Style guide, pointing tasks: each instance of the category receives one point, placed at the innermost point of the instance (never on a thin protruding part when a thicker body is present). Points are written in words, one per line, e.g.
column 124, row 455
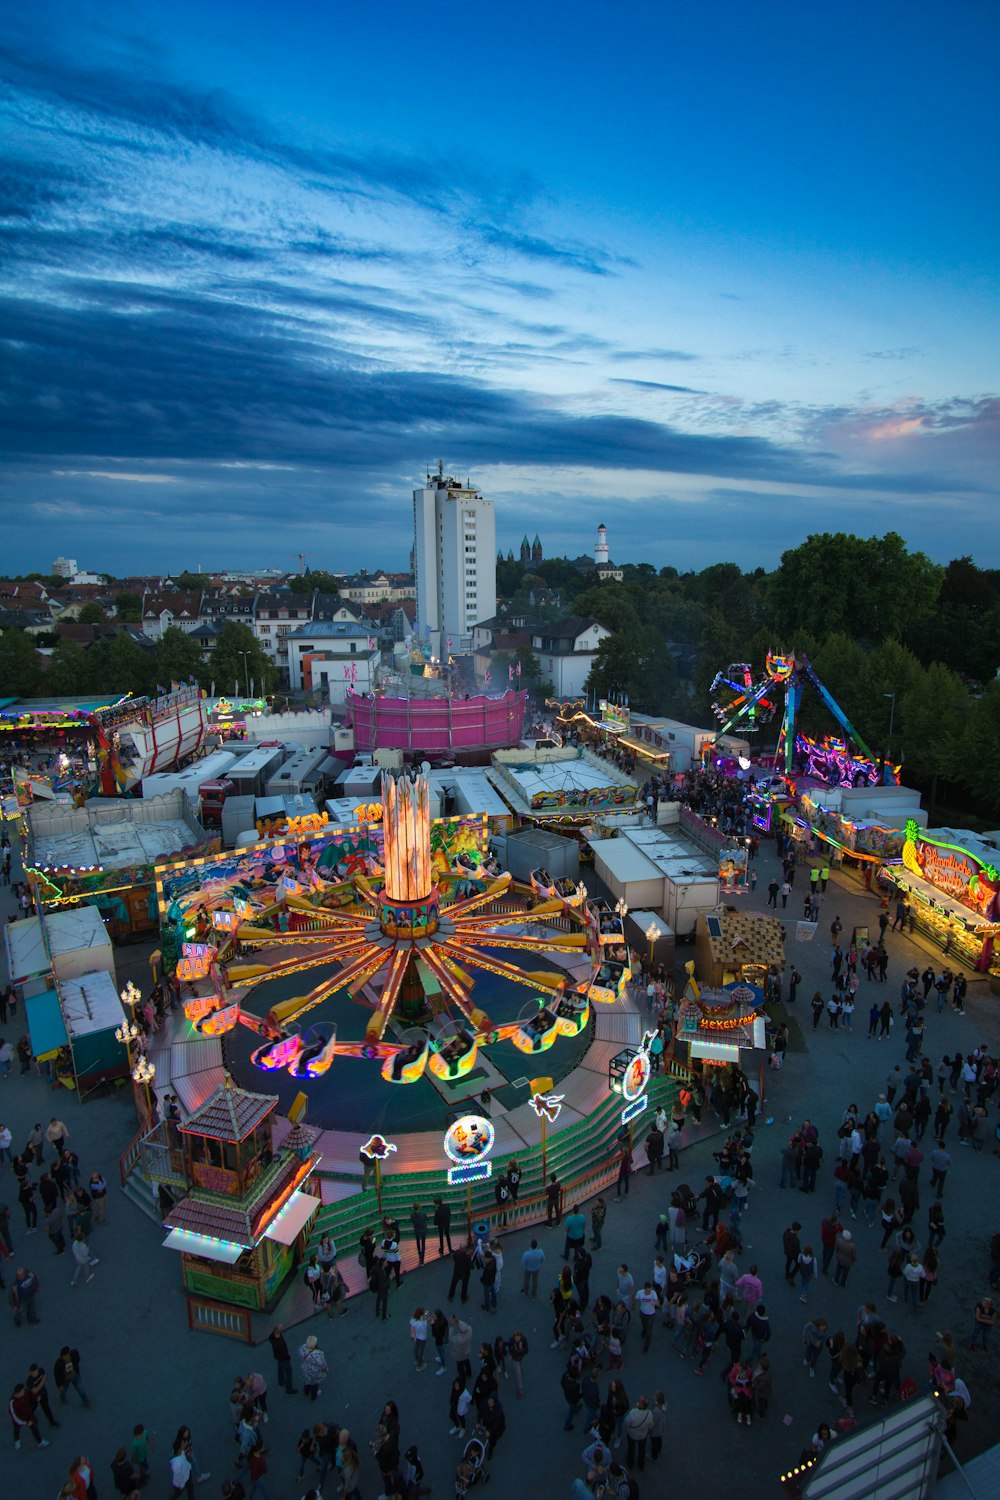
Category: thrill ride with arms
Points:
column 404, row 941
column 743, row 702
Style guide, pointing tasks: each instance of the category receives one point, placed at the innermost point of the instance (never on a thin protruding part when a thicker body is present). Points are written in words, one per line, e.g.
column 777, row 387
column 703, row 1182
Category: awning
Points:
column 642, row 747
column 204, row 1245
column 715, row 1051
column 293, row 1218
column 46, row 1027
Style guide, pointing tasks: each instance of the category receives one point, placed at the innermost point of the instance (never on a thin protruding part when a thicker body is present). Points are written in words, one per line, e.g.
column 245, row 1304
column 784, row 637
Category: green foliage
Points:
column 636, row 663
column 120, row 665
column 870, row 588
column 128, row 607
column 20, row 672
column 304, row 583
column 70, row 670
column 93, row 613
column 178, row 657
column 187, row 580
column 230, row 670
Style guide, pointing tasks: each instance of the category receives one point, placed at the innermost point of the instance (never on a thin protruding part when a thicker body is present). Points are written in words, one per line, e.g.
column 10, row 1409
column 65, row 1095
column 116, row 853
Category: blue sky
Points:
column 719, row 276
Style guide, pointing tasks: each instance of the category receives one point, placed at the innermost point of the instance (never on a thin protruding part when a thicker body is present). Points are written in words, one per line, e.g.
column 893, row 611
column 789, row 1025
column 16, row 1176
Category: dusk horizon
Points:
column 721, row 286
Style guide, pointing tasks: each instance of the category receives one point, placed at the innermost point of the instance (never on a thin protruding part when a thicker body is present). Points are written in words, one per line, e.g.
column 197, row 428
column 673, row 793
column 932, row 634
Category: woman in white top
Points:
column 418, row 1333
column 913, row 1275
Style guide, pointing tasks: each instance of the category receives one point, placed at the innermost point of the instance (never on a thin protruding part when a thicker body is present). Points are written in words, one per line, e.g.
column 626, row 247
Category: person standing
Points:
column 442, row 1223
column 553, row 1201
column 791, row 1245
column 648, row 1304
column 638, row 1427
column 379, row 1283
column 57, row 1135
column 576, row 1232
column 460, row 1343
column 418, row 1222
column 598, row 1214
column 488, row 1281
column 461, row 1270
column 984, row 1318
column 313, row 1368
column 531, row 1263
column 513, row 1179
column 846, row 1253
column 83, row 1258
column 24, row 1294
column 772, row 893
column 282, row 1358
column 418, row 1333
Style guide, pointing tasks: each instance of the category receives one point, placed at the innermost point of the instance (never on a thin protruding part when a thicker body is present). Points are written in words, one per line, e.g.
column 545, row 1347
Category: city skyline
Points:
column 720, row 282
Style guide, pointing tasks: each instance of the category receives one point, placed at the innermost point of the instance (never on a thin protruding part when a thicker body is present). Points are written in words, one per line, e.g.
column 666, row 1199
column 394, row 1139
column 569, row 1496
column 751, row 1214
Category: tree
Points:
column 978, row 750
column 636, row 665
column 178, row 657
column 20, row 670
column 869, row 589
column 121, row 665
column 93, row 613
column 70, row 670
column 238, row 660
column 187, row 580
column 932, row 719
column 323, row 583
column 610, row 605
column 128, row 607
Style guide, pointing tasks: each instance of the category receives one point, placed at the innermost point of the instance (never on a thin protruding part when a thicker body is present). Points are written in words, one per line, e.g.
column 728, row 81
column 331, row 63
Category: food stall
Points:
column 951, row 879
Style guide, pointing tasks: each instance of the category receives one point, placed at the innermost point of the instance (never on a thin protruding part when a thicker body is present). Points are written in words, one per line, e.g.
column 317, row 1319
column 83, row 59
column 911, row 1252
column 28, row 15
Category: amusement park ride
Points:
column 404, row 946
column 742, row 701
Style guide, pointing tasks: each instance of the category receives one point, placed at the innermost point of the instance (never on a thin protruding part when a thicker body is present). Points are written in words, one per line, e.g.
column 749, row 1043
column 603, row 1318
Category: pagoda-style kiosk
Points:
column 244, row 1222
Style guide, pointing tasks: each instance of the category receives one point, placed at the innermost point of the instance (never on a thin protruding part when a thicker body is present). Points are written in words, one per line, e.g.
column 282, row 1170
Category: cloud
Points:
column 657, row 385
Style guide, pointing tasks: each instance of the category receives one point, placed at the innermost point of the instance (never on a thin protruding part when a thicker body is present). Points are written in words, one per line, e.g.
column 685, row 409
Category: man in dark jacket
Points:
column 791, row 1244
column 654, row 1149
column 442, row 1223
column 283, row 1358
column 461, row 1270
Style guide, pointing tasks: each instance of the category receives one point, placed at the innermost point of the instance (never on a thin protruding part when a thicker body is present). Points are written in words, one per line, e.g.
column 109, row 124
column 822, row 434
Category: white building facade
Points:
column 454, row 549
column 335, row 657
column 566, row 652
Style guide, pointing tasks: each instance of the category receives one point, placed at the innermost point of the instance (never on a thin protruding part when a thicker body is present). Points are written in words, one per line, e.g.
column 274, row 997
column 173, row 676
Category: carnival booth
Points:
column 950, row 877
column 738, row 946
column 63, row 944
column 91, row 1013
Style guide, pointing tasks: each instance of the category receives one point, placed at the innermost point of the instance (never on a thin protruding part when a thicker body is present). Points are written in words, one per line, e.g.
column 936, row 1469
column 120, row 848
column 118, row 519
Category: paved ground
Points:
column 140, row 1363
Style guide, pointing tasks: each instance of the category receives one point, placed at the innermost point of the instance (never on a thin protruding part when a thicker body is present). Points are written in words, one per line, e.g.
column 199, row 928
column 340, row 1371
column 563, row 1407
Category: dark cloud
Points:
column 656, row 385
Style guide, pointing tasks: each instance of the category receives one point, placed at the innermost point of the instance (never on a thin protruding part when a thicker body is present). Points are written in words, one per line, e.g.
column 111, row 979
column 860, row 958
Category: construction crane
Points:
column 302, row 560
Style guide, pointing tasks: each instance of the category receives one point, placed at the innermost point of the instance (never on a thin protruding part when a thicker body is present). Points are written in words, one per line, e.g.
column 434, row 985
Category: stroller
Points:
column 692, row 1268
column 472, row 1467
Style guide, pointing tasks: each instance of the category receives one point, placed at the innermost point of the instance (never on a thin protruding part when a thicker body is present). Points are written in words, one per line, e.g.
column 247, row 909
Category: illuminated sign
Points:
column 547, row 1106
column 468, row 1142
column 369, row 812
column 633, row 1080
column 377, row 1148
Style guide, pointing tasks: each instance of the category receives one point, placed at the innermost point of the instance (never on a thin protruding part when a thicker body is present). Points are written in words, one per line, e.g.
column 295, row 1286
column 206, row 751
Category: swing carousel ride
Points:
column 403, row 943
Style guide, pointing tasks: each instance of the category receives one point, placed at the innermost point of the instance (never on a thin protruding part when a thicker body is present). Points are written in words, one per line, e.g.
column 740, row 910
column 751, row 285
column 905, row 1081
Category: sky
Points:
column 718, row 276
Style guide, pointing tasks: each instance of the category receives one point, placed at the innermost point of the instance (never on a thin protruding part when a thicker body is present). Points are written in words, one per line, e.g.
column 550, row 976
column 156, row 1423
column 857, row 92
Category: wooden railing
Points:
column 130, row 1156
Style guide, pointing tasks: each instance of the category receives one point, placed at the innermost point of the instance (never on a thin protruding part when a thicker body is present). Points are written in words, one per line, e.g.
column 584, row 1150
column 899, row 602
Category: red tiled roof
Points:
column 227, row 1218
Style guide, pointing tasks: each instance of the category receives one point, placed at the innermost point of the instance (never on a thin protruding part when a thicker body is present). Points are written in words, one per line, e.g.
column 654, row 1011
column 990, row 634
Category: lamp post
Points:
column 131, row 996
column 127, row 1033
column 143, row 1073
column 621, row 907
column 892, row 716
column 652, row 933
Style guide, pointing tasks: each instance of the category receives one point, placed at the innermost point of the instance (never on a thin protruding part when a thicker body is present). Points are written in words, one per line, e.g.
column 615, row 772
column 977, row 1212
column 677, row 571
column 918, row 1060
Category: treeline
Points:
column 118, row 664
column 875, row 619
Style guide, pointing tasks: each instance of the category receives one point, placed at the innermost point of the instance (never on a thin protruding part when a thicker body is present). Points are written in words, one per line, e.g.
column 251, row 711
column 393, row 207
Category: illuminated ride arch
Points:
column 742, row 701
column 407, row 950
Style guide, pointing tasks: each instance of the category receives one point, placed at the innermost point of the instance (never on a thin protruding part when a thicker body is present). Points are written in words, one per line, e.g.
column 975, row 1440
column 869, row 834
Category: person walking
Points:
column 813, row 1341
column 791, row 1245
column 807, row 1270
column 648, row 1303
column 21, row 1407
column 488, row 1281
column 624, row 1169
column 66, row 1373
column 984, row 1318
column 313, row 1368
column 379, row 1282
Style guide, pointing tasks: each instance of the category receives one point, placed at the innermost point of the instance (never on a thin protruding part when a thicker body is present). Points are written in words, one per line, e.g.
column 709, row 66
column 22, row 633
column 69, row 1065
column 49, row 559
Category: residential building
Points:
column 566, row 651
column 376, row 588
column 337, row 656
column 181, row 608
column 454, row 551
column 64, row 567
column 277, row 615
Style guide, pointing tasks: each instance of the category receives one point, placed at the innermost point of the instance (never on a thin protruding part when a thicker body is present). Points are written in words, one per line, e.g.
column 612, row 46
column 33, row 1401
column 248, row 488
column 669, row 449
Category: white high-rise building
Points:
column 454, row 554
